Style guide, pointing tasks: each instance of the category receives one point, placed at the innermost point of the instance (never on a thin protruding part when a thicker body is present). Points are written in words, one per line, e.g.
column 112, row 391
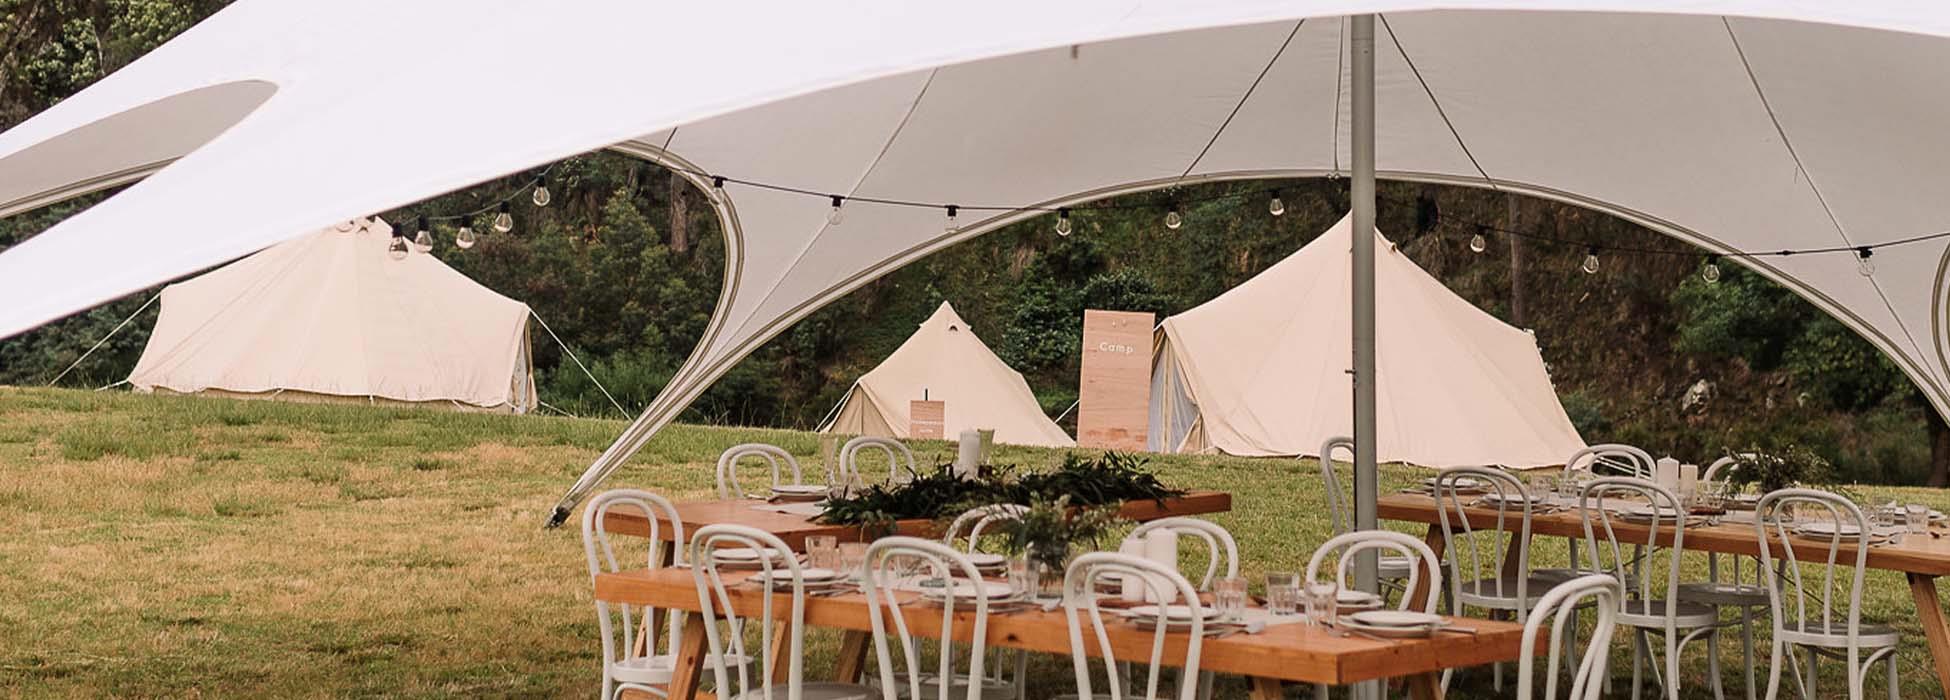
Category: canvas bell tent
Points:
column 331, row 317
column 944, row 361
column 1261, row 370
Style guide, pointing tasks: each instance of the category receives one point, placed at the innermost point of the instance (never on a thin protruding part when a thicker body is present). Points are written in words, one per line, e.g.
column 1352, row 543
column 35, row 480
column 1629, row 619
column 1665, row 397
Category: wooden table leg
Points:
column 1267, row 689
column 1425, row 686
column 690, row 659
column 1929, row 614
column 776, row 662
column 853, row 656
column 653, row 618
column 1421, row 595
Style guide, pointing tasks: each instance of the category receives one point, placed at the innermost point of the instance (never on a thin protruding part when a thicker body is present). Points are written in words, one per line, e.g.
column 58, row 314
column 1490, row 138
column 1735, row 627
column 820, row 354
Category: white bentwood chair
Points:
column 1222, row 550
column 965, row 599
column 900, row 459
column 727, row 641
column 1390, row 570
column 728, row 485
column 1489, row 568
column 1386, row 544
column 965, row 535
column 1559, row 606
column 1651, row 604
column 1814, row 618
column 1081, row 597
column 1612, row 459
column 625, row 626
column 1733, row 585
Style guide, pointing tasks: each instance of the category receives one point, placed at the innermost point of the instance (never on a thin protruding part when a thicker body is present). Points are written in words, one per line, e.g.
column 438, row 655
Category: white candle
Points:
column 1688, row 480
column 1666, row 474
column 969, row 454
column 1130, row 588
column 1161, row 546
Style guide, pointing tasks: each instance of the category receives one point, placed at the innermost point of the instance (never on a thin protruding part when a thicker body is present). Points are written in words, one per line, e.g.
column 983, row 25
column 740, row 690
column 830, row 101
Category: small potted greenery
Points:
column 1786, row 467
column 1050, row 532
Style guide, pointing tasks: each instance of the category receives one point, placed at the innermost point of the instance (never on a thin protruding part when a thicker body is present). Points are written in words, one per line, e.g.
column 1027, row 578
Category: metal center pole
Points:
column 1361, row 194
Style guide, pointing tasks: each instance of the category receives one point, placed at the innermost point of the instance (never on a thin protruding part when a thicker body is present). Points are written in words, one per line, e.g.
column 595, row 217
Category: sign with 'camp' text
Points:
column 1115, row 396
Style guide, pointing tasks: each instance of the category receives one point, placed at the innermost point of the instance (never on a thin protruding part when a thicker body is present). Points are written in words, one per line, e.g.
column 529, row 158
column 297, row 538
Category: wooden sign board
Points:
column 926, row 419
column 1114, row 400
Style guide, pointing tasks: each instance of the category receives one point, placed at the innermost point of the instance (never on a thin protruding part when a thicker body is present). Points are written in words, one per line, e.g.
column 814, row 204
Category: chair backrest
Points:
column 1602, row 505
column 620, row 622
column 714, row 602
column 1081, row 596
column 728, row 486
column 1330, row 480
column 1612, row 459
column 1347, row 548
column 893, row 562
column 900, row 460
column 1479, row 554
column 1560, row 607
column 1221, row 548
column 1813, row 584
column 966, row 530
column 1723, row 468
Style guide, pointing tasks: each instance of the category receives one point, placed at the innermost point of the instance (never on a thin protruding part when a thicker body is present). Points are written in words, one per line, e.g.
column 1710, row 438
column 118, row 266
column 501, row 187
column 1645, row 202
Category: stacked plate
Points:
column 965, row 592
column 987, row 563
column 1646, row 513
column 798, row 492
column 1828, row 529
column 1507, row 500
column 1347, row 602
column 1394, row 624
column 1464, row 485
column 747, row 558
column 1177, row 618
column 816, row 580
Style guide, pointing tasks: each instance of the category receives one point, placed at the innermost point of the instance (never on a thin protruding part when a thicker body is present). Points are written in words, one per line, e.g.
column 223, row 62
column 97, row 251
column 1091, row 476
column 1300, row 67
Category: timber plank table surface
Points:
column 1291, row 652
column 1922, row 558
column 794, row 529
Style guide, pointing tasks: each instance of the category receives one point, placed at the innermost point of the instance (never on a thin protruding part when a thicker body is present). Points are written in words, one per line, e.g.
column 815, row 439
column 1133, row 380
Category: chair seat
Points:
column 1724, row 594
column 1500, row 593
column 992, row 689
column 813, row 691
column 657, row 670
column 1652, row 613
column 1835, row 635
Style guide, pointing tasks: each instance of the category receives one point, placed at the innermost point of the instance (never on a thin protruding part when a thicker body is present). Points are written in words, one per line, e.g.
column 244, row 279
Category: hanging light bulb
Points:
column 1172, row 219
column 1274, row 206
column 1479, row 243
column 423, row 241
column 1711, row 272
column 836, row 217
column 465, row 238
column 1862, row 262
column 1590, row 266
column 541, row 196
column 954, row 224
column 1063, row 222
column 503, row 221
column 397, row 249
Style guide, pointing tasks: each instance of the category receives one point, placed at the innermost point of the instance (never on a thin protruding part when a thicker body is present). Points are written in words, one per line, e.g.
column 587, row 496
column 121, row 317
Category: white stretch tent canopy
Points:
column 944, row 361
column 331, row 316
column 1261, row 370
column 1732, row 124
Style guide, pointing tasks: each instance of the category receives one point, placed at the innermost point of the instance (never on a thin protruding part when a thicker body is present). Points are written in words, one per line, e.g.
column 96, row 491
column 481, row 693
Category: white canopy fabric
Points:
column 944, row 361
column 1261, row 370
column 330, row 315
column 1733, row 124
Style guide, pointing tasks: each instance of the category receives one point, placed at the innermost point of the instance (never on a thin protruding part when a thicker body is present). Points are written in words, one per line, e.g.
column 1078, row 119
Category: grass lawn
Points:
column 169, row 546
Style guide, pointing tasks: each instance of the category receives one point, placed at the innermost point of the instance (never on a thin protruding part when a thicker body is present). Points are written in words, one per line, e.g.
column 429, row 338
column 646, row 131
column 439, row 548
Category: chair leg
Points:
column 1812, row 670
column 1713, row 663
column 1672, row 664
column 1638, row 661
column 1774, row 671
column 1895, row 684
column 1747, row 646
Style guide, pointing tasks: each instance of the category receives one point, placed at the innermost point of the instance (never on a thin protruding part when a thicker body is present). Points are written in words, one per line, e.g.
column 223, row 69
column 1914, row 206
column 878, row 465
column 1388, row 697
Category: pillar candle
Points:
column 1688, row 480
column 969, row 454
column 1161, row 546
column 1666, row 474
column 1131, row 589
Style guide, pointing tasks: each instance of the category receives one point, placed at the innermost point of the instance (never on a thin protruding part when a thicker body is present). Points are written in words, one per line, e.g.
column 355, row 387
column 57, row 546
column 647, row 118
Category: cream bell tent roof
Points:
column 1735, row 125
column 945, row 362
column 330, row 315
column 1261, row 370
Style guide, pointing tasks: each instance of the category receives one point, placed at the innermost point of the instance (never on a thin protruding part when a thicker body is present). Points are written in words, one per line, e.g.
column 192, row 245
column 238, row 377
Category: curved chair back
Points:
column 728, row 486
column 619, row 622
column 900, row 459
column 1723, row 470
column 966, row 530
column 1478, row 554
column 1598, row 506
column 893, row 562
column 1560, row 607
column 1081, row 597
column 1348, row 547
column 1330, row 480
column 714, row 602
column 1222, row 549
column 1813, row 587
column 1724, row 467
column 1612, row 459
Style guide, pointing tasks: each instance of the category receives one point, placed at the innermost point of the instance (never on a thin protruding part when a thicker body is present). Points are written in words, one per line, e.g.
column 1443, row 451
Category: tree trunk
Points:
column 1518, row 313
column 1939, row 448
column 680, row 214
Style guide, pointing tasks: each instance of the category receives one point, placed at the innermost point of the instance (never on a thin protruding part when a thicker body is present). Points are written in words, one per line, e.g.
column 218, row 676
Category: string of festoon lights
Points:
column 1173, row 207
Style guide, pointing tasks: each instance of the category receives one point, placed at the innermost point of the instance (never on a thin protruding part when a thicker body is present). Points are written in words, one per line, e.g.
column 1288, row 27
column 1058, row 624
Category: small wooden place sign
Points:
column 926, row 420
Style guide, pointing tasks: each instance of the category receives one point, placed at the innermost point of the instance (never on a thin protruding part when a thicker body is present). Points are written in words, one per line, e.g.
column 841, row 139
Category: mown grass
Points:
column 171, row 546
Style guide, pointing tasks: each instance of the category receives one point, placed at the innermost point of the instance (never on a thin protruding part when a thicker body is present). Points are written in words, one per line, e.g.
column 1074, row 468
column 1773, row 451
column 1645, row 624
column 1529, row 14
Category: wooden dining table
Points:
column 1280, row 654
column 1920, row 558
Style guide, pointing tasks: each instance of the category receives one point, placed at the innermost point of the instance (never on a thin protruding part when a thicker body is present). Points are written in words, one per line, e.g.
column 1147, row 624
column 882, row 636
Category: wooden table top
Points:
column 1917, row 554
column 1293, row 652
column 794, row 529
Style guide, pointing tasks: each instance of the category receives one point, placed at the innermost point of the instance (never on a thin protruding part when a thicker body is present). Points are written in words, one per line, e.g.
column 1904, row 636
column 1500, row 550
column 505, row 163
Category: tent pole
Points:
column 1361, row 195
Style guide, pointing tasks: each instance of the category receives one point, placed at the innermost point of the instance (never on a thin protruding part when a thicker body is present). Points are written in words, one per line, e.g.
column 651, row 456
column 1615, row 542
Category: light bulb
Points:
column 836, row 216
column 541, row 194
column 1173, row 220
column 1862, row 262
column 1478, row 243
column 464, row 238
column 423, row 242
column 954, row 221
column 1274, row 206
column 1711, row 273
column 1062, row 222
column 397, row 249
column 503, row 221
column 1590, row 266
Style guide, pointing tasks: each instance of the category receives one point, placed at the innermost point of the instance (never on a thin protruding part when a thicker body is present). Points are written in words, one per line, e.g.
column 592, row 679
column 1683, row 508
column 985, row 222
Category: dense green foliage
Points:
column 1085, row 479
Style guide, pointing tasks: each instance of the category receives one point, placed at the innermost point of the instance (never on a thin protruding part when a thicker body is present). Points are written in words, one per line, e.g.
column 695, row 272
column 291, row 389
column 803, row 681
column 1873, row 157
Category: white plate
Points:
column 799, row 489
column 745, row 554
column 1176, row 614
column 812, row 577
column 1390, row 632
column 1828, row 529
column 984, row 560
column 1395, row 618
column 1354, row 598
column 967, row 590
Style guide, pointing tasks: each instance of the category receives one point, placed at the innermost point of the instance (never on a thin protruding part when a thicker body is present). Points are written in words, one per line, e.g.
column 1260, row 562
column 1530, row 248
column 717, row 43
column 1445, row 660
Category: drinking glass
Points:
column 853, row 559
column 1283, row 593
column 823, row 552
column 1023, row 576
column 1917, row 516
column 1229, row 596
column 1541, row 486
column 1323, row 599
